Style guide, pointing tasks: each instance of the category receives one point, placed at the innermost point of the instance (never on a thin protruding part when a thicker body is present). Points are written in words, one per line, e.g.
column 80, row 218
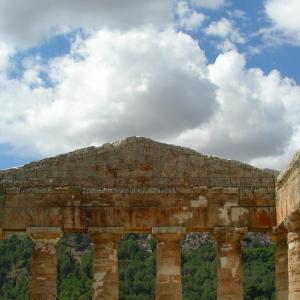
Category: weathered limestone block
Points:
column 279, row 237
column 137, row 184
column 168, row 262
column 293, row 239
column 229, row 267
column 288, row 190
column 44, row 262
column 105, row 262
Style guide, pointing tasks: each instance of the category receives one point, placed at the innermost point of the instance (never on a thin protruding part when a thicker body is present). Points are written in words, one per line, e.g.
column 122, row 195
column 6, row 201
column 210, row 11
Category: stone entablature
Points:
column 138, row 185
column 288, row 190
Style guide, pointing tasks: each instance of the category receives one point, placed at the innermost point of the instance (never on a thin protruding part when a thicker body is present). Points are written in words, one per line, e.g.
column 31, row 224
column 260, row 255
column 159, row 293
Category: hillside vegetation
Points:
column 136, row 268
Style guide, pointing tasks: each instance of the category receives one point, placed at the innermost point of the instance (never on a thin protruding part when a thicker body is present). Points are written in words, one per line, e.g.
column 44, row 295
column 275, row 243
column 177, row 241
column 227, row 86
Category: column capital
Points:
column 292, row 224
column 45, row 234
column 278, row 234
column 229, row 234
column 168, row 233
column 106, row 233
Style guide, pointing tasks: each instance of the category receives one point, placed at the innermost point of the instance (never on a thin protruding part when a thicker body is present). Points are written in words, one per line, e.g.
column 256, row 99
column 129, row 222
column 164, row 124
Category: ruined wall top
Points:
column 288, row 190
column 136, row 162
column 292, row 166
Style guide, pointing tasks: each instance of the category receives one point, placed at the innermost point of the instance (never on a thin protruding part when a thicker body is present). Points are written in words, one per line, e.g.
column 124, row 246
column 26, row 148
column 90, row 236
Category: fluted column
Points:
column 105, row 262
column 229, row 266
column 293, row 240
column 279, row 237
column 44, row 262
column 168, row 262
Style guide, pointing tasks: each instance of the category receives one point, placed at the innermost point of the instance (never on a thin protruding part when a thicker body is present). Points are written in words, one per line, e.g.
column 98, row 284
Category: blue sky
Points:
column 281, row 57
column 219, row 76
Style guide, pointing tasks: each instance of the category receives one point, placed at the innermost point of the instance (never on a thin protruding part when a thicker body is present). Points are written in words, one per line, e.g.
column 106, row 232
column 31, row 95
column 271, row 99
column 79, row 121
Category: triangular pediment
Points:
column 137, row 161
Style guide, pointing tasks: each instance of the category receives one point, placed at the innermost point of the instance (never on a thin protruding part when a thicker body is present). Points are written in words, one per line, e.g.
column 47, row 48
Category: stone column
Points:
column 293, row 240
column 229, row 266
column 168, row 262
column 279, row 237
column 105, row 262
column 44, row 262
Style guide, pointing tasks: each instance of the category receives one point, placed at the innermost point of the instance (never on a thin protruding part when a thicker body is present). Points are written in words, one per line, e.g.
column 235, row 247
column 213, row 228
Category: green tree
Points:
column 259, row 270
column 199, row 273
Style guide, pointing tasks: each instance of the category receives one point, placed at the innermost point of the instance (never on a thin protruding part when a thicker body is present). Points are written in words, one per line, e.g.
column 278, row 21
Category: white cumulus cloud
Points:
column 135, row 75
column 154, row 84
column 225, row 29
column 258, row 116
column 26, row 23
column 141, row 82
column 188, row 18
column 284, row 15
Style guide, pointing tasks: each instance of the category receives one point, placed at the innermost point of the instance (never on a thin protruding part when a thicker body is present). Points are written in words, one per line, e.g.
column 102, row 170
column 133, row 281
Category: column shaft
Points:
column 294, row 264
column 105, row 262
column 229, row 266
column 168, row 263
column 44, row 262
column 292, row 224
column 281, row 264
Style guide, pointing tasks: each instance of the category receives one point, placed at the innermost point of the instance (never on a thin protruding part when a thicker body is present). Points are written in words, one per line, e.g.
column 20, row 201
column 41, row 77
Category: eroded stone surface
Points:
column 288, row 215
column 288, row 190
column 105, row 262
column 44, row 262
column 136, row 184
column 281, row 264
column 292, row 224
column 168, row 262
column 294, row 264
column 229, row 266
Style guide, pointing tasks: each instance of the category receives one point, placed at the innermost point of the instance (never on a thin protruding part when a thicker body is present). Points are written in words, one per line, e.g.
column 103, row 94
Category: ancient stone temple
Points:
column 141, row 186
column 288, row 227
